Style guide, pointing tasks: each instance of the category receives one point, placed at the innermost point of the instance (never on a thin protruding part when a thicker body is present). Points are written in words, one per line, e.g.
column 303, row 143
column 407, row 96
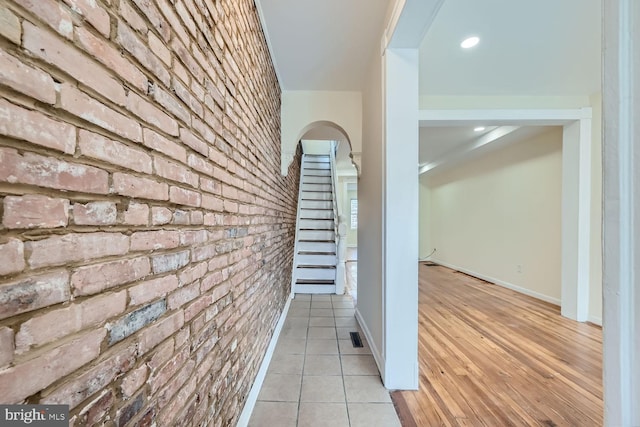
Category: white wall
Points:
column 595, row 285
column 502, row 210
column 303, row 108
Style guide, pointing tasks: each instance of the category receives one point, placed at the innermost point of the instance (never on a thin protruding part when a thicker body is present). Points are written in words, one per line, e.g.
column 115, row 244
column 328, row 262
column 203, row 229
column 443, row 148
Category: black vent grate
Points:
column 355, row 339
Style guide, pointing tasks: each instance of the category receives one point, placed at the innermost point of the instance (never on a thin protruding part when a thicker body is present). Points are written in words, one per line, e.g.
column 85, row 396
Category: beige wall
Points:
column 352, row 234
column 500, row 211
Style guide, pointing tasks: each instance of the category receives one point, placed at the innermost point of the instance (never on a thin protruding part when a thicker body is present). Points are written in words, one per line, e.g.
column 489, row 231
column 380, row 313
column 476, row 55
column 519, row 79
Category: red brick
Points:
column 31, row 81
column 70, row 248
column 201, row 164
column 33, row 169
column 10, row 27
column 133, row 186
column 161, row 355
column 33, row 292
column 218, row 157
column 151, row 114
column 181, row 217
column 95, row 213
column 12, row 256
column 6, row 346
column 155, row 17
column 152, row 289
column 153, row 335
column 112, row 58
column 164, row 374
column 53, row 13
column 94, row 411
column 137, row 214
column 174, row 172
column 161, row 216
column 183, row 93
column 193, row 237
column 197, row 218
column 172, row 389
column 57, row 324
column 192, row 274
column 183, row 295
column 191, row 140
column 172, row 105
column 82, row 387
column 97, row 278
column 230, row 206
column 134, row 380
column 153, row 240
column 72, row 61
column 211, row 186
column 130, row 42
column 98, row 147
column 196, row 307
column 168, row 11
column 93, row 111
column 159, row 143
column 159, row 48
column 93, row 13
column 35, row 211
column 25, row 379
column 182, row 196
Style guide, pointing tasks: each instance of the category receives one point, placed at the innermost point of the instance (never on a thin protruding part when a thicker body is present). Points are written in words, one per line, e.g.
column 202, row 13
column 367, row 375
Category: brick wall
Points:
column 147, row 235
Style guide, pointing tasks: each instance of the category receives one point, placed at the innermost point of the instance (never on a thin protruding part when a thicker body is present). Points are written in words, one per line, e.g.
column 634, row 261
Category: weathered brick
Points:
column 93, row 13
column 211, row 186
column 159, row 143
column 183, row 93
column 152, row 289
column 153, row 335
column 161, row 216
column 93, row 279
column 130, row 410
column 112, row 58
column 137, row 214
column 182, row 196
column 10, row 27
column 72, row 61
column 196, row 307
column 155, row 17
column 172, row 105
column 12, row 256
column 33, row 292
column 133, row 186
column 135, row 321
column 161, row 355
column 94, row 411
column 201, row 164
column 132, row 382
column 59, row 323
column 130, row 42
column 197, row 218
column 181, row 217
column 172, row 388
column 159, row 49
column 131, row 16
column 212, row 203
column 6, row 346
column 101, row 148
column 95, row 213
column 151, row 114
column 25, row 79
column 34, row 169
column 193, row 237
column 174, row 171
column 191, row 274
column 61, row 250
column 35, row 211
column 191, row 140
column 153, row 240
column 92, row 381
column 160, row 377
column 169, row 262
column 93, row 111
column 183, row 295
column 52, row 13
column 25, row 379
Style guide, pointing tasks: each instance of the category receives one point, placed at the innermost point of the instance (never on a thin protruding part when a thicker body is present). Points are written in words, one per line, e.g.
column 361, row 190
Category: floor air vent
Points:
column 429, row 264
column 355, row 339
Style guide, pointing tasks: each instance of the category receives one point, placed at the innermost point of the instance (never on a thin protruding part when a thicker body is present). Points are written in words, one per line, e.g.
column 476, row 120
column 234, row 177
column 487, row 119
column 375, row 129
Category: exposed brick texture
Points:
column 146, row 235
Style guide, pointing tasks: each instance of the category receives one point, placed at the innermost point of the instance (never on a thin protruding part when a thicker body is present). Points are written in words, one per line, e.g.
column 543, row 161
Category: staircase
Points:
column 315, row 257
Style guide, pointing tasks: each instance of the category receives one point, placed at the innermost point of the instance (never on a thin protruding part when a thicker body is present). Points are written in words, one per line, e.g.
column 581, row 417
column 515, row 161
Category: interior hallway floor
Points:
column 317, row 377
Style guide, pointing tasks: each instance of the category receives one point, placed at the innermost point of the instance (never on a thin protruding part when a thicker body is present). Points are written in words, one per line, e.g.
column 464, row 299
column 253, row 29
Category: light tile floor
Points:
column 316, row 377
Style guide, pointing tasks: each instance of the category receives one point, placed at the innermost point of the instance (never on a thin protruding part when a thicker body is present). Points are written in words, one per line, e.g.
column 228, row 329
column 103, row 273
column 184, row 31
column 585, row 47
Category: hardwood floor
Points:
column 492, row 357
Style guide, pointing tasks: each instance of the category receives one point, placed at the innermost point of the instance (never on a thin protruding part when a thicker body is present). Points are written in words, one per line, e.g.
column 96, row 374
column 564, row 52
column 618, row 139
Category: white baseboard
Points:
column 243, row 421
column 502, row 283
column 595, row 320
column 375, row 351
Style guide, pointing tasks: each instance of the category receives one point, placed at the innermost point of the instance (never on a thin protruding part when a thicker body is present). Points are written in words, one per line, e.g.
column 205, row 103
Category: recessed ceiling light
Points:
column 469, row 42
column 479, row 129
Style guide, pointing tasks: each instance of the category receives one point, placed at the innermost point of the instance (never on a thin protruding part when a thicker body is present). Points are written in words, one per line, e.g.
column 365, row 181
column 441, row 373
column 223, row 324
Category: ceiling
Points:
column 322, row 44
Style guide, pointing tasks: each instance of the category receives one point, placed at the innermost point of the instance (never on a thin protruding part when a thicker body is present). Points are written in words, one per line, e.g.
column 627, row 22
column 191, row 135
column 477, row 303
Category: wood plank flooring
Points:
column 493, row 357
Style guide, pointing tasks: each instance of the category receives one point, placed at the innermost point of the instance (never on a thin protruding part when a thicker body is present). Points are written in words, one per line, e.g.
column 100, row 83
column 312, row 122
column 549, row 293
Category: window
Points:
column 354, row 214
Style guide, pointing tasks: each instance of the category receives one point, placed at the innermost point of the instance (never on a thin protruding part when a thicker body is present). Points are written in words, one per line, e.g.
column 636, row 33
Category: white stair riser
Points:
column 316, row 165
column 303, row 273
column 326, row 260
column 316, row 204
column 316, row 235
column 316, row 187
column 316, row 214
column 316, row 224
column 317, row 159
column 316, row 195
column 317, row 247
column 315, row 289
column 316, row 180
column 316, row 172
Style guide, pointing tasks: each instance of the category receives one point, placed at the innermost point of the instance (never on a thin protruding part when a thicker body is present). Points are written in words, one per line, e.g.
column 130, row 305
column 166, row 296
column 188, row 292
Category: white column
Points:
column 401, row 219
column 621, row 216
column 576, row 218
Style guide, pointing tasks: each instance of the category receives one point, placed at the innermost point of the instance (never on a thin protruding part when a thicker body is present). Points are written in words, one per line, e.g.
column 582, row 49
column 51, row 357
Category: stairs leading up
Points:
column 315, row 258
